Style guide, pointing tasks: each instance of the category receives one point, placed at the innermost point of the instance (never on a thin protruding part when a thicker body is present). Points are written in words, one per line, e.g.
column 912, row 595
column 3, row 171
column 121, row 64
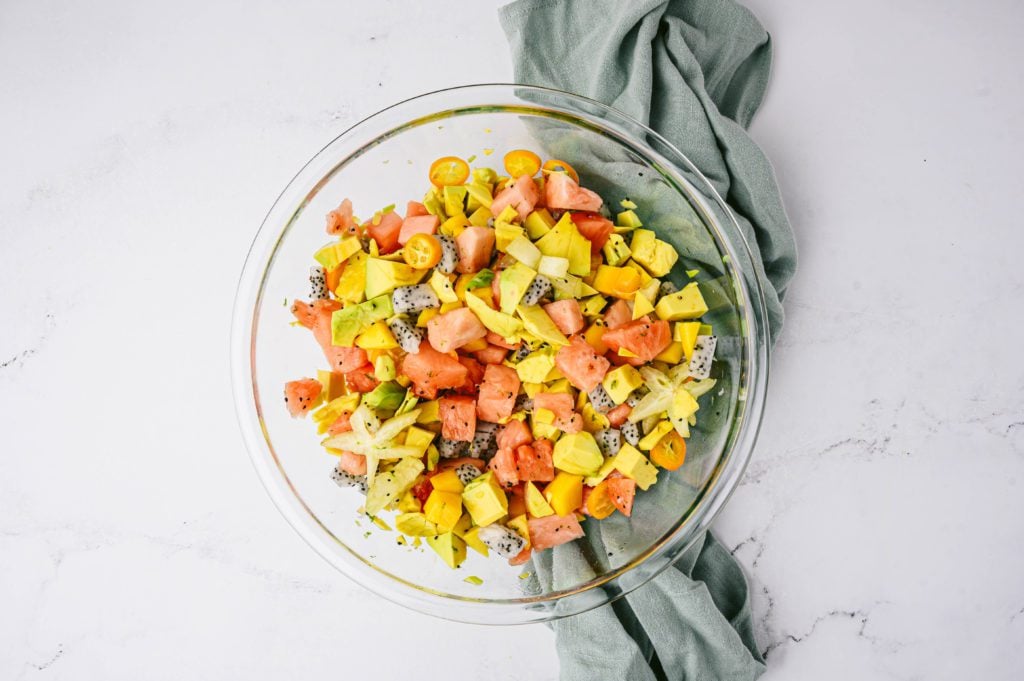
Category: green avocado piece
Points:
column 578, row 453
column 451, row 549
column 387, row 396
column 537, row 322
column 348, row 322
column 685, row 304
column 504, row 325
column 384, row 276
column 513, row 284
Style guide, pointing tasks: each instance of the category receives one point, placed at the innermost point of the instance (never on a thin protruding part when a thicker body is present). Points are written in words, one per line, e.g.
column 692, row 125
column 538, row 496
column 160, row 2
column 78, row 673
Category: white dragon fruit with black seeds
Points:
column 449, row 449
column 609, row 440
column 502, row 540
column 633, row 399
column 317, row 283
column 405, row 332
column 345, row 479
column 523, row 403
column 630, row 432
column 600, row 399
column 411, row 299
column 522, row 352
column 538, row 288
column 703, row 356
column 667, row 288
column 449, row 254
column 467, row 473
column 483, row 445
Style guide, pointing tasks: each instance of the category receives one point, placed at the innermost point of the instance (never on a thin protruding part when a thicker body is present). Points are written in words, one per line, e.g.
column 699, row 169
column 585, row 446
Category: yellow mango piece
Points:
column 377, row 337
column 565, row 493
column 641, row 305
column 472, row 539
column 448, row 481
column 443, row 509
column 652, row 438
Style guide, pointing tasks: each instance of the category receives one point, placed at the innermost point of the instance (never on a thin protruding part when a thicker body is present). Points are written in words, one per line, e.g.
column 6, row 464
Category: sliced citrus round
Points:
column 448, row 170
column 422, row 251
column 555, row 165
column 519, row 162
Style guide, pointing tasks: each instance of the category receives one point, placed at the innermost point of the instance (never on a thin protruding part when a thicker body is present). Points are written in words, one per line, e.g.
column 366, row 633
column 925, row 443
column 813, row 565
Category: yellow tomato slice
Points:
column 448, row 170
column 422, row 251
column 521, row 162
column 670, row 452
column 555, row 165
column 599, row 504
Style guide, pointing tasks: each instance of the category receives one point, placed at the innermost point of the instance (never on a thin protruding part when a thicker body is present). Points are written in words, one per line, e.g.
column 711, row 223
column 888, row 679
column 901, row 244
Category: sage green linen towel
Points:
column 695, row 72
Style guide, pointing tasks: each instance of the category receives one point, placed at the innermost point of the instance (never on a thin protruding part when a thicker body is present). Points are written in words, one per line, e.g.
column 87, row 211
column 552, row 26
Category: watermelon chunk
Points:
column 385, row 232
column 302, row 395
column 563, row 193
column 579, row 363
column 514, row 434
column 643, row 337
column 621, row 491
column 566, row 419
column 566, row 315
column 534, row 462
column 458, row 417
column 430, row 371
column 417, row 224
column 618, row 314
column 414, row 208
column 453, row 329
column 475, row 246
column 553, row 530
column 503, row 463
column 492, row 354
column 352, row 463
column 497, row 393
column 522, row 195
column 596, row 227
column 340, row 220
column 474, row 376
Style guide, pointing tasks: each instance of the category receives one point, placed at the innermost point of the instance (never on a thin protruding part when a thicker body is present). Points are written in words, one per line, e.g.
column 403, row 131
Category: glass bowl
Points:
column 384, row 160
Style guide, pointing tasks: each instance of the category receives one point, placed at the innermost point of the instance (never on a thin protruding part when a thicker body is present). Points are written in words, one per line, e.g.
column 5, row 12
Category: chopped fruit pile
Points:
column 504, row 361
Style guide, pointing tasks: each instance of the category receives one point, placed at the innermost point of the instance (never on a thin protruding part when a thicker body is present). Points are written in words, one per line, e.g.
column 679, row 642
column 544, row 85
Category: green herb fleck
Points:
column 483, row 278
column 474, row 580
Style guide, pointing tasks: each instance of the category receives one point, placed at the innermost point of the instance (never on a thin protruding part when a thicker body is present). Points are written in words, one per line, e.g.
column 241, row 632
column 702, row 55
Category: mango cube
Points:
column 485, row 500
column 652, row 438
column 448, row 481
column 443, row 509
column 565, row 493
column 415, row 525
column 577, row 453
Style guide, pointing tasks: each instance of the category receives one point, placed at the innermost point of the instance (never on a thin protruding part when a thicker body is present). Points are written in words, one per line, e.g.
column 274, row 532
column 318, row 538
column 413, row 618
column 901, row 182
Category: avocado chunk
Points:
column 442, row 286
column 536, row 504
column 656, row 256
column 535, row 367
column 415, row 525
column 634, row 465
column 348, row 322
column 451, row 549
column 537, row 322
column 386, row 396
column 513, row 284
column 685, row 304
column 615, row 250
column 652, row 438
column 565, row 241
column 384, row 276
column 500, row 323
column 577, row 453
column 621, row 381
column 485, row 500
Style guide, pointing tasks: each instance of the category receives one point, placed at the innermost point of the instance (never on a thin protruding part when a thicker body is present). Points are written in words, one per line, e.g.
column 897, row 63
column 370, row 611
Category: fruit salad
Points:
column 506, row 363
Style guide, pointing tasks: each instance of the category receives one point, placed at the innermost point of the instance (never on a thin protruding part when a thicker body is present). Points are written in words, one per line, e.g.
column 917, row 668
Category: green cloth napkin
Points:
column 695, row 72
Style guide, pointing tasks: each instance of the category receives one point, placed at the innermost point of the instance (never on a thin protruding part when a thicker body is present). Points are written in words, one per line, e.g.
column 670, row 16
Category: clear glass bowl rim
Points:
column 613, row 585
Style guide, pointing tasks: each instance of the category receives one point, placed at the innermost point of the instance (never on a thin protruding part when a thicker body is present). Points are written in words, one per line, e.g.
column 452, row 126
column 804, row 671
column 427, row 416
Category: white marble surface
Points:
column 881, row 521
